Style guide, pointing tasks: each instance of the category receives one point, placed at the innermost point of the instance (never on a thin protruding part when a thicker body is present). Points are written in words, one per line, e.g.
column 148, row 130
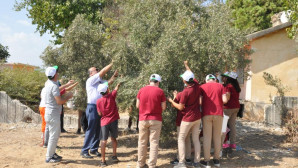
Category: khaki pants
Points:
column 187, row 144
column 185, row 129
column 212, row 130
column 232, row 113
column 148, row 129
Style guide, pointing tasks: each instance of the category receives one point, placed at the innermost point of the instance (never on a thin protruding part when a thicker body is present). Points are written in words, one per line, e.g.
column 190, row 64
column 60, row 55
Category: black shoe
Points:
column 115, row 159
column 78, row 131
column 216, row 162
column 103, row 164
column 63, row 130
column 57, row 156
column 52, row 160
column 86, row 155
column 188, row 162
column 95, row 153
column 205, row 164
column 174, row 162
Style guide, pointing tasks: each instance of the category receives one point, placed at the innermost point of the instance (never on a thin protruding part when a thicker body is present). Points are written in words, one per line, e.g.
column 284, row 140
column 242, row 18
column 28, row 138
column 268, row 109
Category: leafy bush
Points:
column 291, row 125
column 23, row 84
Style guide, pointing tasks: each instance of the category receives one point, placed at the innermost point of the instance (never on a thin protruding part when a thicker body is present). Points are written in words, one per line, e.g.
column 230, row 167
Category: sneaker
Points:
column 233, row 146
column 196, row 165
column 115, row 159
column 174, row 162
column 96, row 153
column 225, row 146
column 52, row 160
column 205, row 164
column 78, row 131
column 45, row 146
column 57, row 156
column 86, row 155
column 188, row 162
column 180, row 165
column 216, row 163
column 103, row 164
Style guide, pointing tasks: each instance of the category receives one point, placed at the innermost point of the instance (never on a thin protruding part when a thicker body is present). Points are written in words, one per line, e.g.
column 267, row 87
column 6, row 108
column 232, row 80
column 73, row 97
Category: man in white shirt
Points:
column 91, row 141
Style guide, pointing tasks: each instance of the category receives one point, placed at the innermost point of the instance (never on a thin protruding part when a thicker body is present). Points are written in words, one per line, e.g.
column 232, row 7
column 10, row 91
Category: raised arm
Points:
column 70, row 82
column 72, row 86
column 117, row 87
column 61, row 100
column 105, row 70
column 186, row 66
column 112, row 79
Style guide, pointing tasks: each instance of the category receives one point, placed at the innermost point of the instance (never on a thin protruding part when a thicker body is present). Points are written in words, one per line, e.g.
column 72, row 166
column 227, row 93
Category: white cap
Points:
column 187, row 75
column 233, row 75
column 227, row 74
column 210, row 76
column 51, row 71
column 102, row 88
column 155, row 77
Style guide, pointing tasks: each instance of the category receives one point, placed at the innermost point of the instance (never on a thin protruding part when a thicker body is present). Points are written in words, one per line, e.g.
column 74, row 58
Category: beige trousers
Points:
column 187, row 144
column 212, row 130
column 185, row 129
column 148, row 129
column 232, row 113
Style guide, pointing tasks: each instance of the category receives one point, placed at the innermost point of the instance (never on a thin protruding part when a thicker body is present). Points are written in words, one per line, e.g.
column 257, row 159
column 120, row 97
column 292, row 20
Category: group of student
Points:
column 208, row 102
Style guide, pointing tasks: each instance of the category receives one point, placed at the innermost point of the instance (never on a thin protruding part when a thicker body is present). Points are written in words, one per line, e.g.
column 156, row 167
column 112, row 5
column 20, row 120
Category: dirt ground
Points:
column 261, row 147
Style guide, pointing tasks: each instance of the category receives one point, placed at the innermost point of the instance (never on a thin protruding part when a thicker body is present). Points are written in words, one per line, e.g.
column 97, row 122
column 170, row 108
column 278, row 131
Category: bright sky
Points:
column 17, row 32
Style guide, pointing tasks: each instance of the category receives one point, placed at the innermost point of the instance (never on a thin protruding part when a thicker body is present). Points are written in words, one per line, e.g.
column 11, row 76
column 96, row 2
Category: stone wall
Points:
column 271, row 114
column 13, row 111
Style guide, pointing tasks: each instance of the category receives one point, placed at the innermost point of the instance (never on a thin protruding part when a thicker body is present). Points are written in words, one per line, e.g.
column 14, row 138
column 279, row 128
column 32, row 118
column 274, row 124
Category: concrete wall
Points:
column 13, row 111
column 276, row 54
column 270, row 113
column 273, row 112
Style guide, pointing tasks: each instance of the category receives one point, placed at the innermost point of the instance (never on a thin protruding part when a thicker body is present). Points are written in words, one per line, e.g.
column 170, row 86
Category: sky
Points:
column 19, row 34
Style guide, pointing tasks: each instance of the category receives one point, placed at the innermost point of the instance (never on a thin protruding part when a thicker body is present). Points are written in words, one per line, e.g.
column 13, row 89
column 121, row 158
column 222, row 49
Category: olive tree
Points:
column 157, row 36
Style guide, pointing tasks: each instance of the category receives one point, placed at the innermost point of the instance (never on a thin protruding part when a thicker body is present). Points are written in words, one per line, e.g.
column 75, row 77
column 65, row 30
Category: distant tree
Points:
column 4, row 54
column 255, row 14
column 293, row 6
column 56, row 16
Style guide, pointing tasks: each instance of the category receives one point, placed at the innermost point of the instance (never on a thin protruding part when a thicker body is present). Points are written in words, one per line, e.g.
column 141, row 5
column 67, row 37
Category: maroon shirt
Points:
column 179, row 114
column 212, row 103
column 108, row 108
column 190, row 97
column 150, row 98
column 234, row 97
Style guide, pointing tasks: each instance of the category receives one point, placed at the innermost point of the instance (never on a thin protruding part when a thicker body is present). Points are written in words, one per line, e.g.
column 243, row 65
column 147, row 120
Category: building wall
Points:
column 276, row 54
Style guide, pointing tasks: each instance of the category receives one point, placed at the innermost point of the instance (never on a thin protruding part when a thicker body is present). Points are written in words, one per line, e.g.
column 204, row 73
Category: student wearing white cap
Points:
column 53, row 102
column 151, row 101
column 107, row 109
column 231, row 109
column 189, row 105
column 213, row 99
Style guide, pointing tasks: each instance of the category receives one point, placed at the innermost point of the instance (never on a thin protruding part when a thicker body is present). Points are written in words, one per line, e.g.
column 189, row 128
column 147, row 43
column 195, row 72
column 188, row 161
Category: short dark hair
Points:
column 190, row 81
column 103, row 93
column 153, row 80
